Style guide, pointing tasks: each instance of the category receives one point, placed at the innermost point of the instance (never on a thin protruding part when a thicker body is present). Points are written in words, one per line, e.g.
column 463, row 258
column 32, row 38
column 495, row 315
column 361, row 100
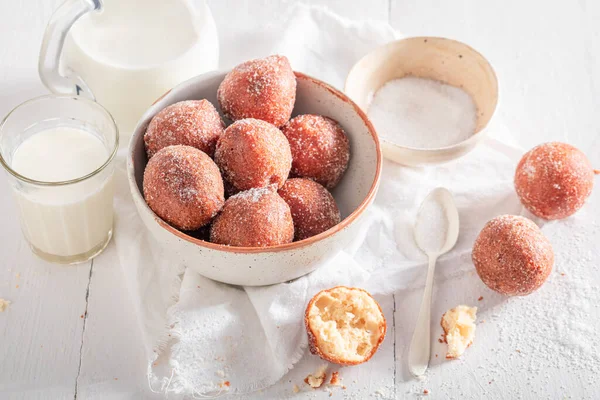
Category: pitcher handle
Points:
column 52, row 46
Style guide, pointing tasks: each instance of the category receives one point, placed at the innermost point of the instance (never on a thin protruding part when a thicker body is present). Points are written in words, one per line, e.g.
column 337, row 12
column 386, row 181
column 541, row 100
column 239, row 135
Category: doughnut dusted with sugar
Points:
column 553, row 180
column 254, row 218
column 193, row 123
column 252, row 153
column 183, row 186
column 512, row 256
column 314, row 209
column 320, row 148
column 263, row 89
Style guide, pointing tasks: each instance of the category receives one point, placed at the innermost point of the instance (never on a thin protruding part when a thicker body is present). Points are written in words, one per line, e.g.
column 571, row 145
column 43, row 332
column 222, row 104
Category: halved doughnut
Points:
column 345, row 325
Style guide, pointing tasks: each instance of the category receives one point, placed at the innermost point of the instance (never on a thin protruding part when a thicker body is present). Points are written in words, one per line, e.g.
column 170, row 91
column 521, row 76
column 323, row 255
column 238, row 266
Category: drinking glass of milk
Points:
column 125, row 54
column 58, row 152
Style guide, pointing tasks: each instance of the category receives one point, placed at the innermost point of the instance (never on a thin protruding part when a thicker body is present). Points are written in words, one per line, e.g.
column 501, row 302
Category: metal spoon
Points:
column 436, row 231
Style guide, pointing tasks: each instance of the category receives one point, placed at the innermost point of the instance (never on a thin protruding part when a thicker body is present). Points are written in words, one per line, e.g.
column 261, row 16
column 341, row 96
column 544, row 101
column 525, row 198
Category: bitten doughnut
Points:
column 313, row 208
column 512, row 256
column 553, row 180
column 254, row 218
column 252, row 153
column 344, row 325
column 320, row 148
column 182, row 185
column 263, row 89
column 193, row 123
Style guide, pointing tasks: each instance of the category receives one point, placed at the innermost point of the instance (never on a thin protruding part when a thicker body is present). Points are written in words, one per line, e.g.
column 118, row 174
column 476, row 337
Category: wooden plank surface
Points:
column 546, row 55
column 41, row 331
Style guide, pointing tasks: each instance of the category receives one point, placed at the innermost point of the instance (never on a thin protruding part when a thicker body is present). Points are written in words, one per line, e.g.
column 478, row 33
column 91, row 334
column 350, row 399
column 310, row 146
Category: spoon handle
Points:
column 420, row 345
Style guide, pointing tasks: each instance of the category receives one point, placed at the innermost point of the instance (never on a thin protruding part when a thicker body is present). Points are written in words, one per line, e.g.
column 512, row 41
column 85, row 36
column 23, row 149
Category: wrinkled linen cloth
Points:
column 203, row 337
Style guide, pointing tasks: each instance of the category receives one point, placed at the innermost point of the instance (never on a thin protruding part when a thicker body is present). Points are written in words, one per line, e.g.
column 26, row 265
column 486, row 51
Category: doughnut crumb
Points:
column 4, row 304
column 335, row 379
column 317, row 378
column 459, row 329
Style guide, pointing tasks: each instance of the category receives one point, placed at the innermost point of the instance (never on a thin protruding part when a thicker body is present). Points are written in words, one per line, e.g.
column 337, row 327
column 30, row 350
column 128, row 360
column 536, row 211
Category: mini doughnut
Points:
column 263, row 89
column 320, row 148
column 252, row 153
column 313, row 208
column 193, row 123
column 512, row 256
column 182, row 185
column 553, row 180
column 344, row 325
column 254, row 218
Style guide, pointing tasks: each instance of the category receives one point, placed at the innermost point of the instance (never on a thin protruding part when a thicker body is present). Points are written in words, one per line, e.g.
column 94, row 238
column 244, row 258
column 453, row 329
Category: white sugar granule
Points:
column 431, row 227
column 423, row 113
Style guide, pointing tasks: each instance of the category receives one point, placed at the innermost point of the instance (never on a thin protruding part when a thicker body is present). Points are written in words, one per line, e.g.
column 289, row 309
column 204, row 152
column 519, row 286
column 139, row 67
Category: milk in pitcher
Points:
column 131, row 52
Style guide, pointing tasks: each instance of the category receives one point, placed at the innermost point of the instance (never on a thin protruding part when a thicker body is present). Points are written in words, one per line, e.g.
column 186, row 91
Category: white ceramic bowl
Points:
column 264, row 266
column 444, row 60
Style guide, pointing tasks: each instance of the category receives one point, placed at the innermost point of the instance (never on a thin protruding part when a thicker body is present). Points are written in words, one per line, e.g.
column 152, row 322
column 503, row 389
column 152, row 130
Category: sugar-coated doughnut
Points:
column 252, row 153
column 512, row 256
column 193, row 123
column 254, row 218
column 313, row 208
column 553, row 180
column 263, row 89
column 183, row 186
column 320, row 148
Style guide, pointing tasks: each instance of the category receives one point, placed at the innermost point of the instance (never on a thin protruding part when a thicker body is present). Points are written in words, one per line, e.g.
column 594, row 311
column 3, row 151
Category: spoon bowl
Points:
column 439, row 198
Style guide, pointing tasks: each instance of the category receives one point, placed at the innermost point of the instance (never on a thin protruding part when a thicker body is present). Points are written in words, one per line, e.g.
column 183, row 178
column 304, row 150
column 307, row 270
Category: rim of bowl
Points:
column 433, row 150
column 280, row 247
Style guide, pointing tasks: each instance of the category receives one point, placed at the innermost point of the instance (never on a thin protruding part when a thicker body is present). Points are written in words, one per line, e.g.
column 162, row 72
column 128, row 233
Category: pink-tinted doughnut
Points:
column 313, row 208
column 553, row 180
column 512, row 256
column 193, row 123
column 263, row 89
column 183, row 186
column 252, row 153
column 320, row 148
column 254, row 218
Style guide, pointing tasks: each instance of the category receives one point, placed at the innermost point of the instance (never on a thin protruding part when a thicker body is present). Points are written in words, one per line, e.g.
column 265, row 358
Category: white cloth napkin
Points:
column 204, row 337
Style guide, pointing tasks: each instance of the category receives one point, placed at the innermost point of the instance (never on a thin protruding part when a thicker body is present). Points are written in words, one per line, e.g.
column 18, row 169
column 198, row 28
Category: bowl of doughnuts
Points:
column 254, row 176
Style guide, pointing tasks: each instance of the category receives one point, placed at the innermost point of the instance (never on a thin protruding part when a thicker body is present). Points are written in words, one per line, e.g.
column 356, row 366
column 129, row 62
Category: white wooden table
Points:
column 70, row 331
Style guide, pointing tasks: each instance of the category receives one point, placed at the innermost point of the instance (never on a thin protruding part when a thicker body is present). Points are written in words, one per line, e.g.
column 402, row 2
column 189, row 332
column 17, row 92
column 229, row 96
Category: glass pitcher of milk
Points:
column 125, row 54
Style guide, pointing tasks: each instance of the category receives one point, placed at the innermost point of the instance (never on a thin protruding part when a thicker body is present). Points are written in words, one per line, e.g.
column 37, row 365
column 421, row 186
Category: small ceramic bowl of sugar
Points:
column 430, row 99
